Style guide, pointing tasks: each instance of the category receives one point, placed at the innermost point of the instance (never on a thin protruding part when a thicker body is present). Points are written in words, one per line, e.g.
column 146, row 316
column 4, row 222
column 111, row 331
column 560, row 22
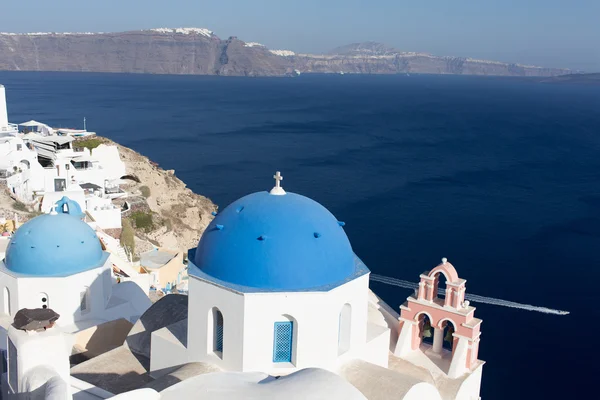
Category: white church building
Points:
column 279, row 306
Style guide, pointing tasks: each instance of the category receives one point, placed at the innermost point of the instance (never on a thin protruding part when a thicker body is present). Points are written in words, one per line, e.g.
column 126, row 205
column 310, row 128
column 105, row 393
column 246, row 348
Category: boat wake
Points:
column 471, row 297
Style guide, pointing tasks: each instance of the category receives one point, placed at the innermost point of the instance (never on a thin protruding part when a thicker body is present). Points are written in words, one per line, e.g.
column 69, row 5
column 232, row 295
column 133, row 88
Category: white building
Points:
column 279, row 305
column 19, row 166
column 45, row 168
column 6, row 128
column 56, row 261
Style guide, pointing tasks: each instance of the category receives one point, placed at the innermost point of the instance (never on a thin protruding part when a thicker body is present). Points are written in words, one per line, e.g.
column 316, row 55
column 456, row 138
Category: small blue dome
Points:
column 54, row 245
column 68, row 206
column 276, row 242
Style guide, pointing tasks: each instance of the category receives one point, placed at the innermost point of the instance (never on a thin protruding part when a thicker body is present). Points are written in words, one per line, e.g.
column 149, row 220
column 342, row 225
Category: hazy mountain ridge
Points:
column 587, row 79
column 199, row 51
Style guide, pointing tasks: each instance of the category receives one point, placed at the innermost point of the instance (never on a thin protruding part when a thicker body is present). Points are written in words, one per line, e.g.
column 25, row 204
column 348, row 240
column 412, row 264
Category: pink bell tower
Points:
column 451, row 313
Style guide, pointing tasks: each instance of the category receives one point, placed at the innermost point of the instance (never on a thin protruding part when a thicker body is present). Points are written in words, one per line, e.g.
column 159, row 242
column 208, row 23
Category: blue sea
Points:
column 499, row 175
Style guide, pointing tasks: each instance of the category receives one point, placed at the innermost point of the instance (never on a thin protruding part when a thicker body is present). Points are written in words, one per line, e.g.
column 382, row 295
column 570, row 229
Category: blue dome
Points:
column 276, row 242
column 54, row 245
column 68, row 206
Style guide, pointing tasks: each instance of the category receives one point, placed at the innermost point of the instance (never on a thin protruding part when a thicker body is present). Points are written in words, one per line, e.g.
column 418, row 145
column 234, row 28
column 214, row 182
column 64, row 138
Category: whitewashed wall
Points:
column 203, row 297
column 40, row 356
column 109, row 158
column 316, row 318
column 248, row 322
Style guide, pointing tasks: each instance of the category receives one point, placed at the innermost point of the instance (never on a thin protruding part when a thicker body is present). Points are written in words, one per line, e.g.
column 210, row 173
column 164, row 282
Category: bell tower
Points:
column 451, row 318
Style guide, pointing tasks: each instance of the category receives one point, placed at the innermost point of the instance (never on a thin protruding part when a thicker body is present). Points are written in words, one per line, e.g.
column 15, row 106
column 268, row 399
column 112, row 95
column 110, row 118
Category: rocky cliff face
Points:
column 196, row 52
column 200, row 52
column 179, row 215
column 376, row 58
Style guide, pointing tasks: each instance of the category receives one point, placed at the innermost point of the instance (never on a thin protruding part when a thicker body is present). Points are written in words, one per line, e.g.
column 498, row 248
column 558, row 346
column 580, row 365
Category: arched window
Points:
column 345, row 329
column 284, row 340
column 6, row 301
column 215, row 332
column 84, row 305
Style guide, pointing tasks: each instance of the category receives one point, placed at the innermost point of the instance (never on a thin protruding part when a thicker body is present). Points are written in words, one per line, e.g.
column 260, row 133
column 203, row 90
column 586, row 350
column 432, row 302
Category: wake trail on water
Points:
column 471, row 297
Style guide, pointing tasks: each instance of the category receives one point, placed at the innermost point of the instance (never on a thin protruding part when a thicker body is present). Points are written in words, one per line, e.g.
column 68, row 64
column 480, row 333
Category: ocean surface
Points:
column 499, row 175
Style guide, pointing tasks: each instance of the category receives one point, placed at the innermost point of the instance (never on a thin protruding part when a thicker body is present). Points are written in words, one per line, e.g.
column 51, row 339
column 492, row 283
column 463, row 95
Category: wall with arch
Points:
column 202, row 299
column 248, row 338
column 62, row 294
column 8, row 299
column 321, row 320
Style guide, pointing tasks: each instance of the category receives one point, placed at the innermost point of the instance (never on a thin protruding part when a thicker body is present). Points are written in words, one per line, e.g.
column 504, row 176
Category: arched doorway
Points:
column 345, row 329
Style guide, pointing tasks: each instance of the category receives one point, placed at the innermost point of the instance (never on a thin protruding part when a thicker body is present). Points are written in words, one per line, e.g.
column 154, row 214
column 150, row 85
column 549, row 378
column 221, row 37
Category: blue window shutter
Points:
column 283, row 337
column 219, row 332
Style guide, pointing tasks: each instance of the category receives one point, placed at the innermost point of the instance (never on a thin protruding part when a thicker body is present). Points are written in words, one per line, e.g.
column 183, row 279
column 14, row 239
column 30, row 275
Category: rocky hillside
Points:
column 164, row 211
column 173, row 216
column 201, row 52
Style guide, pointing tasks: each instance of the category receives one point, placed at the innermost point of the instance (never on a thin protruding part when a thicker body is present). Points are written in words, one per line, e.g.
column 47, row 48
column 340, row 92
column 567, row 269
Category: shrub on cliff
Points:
column 19, row 206
column 143, row 220
column 145, row 190
column 127, row 235
column 88, row 143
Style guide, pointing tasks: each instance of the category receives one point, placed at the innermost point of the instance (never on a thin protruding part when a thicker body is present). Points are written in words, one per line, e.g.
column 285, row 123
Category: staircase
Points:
column 118, row 254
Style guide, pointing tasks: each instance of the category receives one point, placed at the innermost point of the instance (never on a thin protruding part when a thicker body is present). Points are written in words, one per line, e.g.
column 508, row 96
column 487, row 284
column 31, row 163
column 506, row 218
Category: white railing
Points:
column 11, row 128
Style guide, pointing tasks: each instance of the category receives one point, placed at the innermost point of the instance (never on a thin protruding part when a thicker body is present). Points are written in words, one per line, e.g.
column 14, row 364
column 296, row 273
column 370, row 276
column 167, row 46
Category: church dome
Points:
column 282, row 241
column 54, row 245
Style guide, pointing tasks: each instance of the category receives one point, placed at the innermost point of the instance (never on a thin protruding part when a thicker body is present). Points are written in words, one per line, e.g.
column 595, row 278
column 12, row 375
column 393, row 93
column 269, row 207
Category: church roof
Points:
column 54, row 245
column 275, row 241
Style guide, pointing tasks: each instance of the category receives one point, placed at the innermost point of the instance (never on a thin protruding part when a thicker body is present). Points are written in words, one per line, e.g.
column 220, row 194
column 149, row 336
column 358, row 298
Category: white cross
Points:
column 277, row 190
column 278, row 178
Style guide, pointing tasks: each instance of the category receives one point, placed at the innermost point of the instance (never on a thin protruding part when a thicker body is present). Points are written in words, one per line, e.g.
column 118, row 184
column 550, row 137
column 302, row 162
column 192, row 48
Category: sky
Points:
column 551, row 33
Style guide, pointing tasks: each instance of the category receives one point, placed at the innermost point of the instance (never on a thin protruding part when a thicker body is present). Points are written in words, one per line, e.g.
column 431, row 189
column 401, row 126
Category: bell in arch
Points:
column 449, row 332
column 427, row 329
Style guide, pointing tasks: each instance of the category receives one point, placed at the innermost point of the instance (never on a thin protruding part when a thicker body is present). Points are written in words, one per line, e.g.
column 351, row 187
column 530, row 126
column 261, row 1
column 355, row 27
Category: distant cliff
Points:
column 376, row 58
column 189, row 51
column 200, row 52
column 584, row 79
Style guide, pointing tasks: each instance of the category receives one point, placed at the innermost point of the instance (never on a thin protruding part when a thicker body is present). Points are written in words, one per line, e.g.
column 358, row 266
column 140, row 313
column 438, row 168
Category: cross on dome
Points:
column 53, row 211
column 277, row 190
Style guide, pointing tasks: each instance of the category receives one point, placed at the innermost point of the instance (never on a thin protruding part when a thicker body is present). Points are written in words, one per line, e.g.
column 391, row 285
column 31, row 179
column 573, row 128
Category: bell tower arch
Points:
column 451, row 319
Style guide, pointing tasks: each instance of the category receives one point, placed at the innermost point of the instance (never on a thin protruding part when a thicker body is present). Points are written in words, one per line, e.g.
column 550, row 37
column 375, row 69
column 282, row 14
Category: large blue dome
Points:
column 276, row 242
column 54, row 245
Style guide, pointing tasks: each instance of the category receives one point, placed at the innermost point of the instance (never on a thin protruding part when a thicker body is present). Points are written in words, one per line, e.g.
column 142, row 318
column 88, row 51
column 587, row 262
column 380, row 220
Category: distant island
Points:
column 198, row 51
column 589, row 79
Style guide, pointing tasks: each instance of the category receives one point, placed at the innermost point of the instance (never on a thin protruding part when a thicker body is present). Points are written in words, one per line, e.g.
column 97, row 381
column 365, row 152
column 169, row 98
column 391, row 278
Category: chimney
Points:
column 3, row 112
column 37, row 320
